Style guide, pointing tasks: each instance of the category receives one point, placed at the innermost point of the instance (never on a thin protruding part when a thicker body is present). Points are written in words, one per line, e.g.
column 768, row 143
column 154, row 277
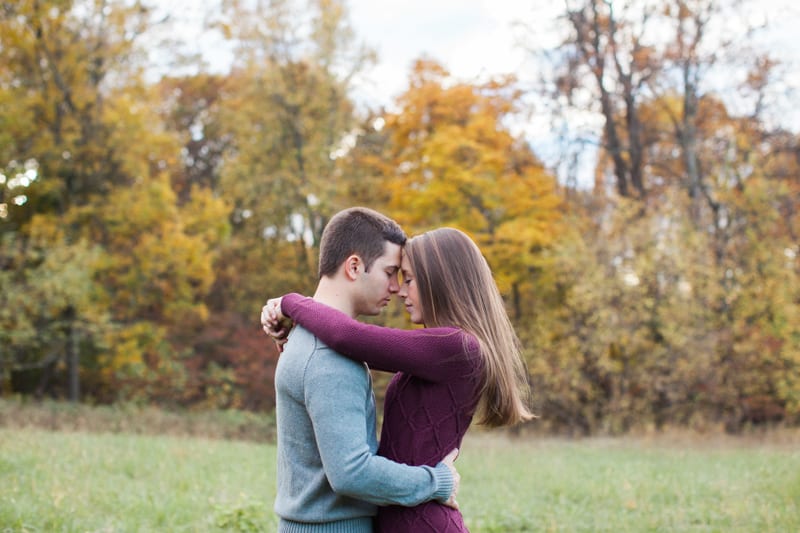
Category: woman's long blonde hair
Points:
column 456, row 289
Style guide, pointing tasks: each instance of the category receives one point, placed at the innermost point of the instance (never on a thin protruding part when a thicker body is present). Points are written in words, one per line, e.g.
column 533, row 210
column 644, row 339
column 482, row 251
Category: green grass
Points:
column 52, row 481
column 631, row 485
column 88, row 482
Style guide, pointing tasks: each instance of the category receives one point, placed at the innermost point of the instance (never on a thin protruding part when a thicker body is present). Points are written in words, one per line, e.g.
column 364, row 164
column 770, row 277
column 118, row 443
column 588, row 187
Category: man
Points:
column 329, row 478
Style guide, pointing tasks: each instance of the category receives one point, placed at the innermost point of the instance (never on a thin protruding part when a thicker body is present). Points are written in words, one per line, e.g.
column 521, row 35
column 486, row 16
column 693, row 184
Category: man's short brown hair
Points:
column 360, row 231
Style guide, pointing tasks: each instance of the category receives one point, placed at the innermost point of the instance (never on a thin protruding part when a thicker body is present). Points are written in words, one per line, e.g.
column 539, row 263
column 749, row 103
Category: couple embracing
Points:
column 333, row 476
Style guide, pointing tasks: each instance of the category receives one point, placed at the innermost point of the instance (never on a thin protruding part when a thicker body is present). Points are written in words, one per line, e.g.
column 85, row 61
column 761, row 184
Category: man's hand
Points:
column 274, row 323
column 450, row 462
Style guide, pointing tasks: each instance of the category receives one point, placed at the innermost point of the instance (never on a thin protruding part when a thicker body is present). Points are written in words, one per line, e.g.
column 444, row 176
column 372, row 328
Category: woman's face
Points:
column 409, row 292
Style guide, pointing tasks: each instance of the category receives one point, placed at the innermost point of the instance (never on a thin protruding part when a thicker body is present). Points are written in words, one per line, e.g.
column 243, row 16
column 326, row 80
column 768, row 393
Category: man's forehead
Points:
column 391, row 254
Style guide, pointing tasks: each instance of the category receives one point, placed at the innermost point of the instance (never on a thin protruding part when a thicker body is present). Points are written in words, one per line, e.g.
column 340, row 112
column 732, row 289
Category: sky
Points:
column 475, row 39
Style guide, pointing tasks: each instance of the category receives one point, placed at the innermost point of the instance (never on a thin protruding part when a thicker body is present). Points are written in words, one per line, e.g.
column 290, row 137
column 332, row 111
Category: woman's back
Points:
column 423, row 421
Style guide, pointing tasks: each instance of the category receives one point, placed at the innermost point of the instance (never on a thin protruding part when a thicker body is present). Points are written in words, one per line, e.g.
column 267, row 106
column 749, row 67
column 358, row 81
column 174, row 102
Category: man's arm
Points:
column 336, row 398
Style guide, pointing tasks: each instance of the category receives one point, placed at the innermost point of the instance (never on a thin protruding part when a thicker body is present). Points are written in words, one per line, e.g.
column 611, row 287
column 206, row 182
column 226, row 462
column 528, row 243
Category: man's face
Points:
column 375, row 287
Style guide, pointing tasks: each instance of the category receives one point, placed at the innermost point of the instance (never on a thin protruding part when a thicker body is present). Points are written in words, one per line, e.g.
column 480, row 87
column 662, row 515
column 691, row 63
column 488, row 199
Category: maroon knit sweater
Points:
column 429, row 402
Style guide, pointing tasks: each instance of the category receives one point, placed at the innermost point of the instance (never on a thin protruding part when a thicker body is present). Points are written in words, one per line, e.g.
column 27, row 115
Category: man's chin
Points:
column 375, row 310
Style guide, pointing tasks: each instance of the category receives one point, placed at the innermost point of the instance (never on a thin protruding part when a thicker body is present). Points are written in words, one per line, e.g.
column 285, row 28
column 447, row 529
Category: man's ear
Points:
column 352, row 266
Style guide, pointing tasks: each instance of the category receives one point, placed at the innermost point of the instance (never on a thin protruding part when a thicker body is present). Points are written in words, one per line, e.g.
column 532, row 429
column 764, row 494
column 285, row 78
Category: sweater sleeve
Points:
column 435, row 354
column 335, row 391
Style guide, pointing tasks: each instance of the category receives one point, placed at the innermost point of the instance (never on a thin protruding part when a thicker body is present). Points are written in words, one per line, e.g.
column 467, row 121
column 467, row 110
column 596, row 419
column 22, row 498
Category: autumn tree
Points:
column 288, row 107
column 446, row 158
column 56, row 68
column 659, row 325
column 616, row 58
column 191, row 107
column 603, row 66
column 58, row 64
column 88, row 167
column 261, row 138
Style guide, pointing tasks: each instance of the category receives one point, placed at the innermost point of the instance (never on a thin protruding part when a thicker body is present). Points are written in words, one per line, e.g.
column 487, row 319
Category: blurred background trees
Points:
column 144, row 219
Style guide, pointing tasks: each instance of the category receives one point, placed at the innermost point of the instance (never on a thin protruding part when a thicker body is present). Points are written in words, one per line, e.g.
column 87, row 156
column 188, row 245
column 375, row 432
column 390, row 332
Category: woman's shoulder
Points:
column 455, row 332
column 447, row 334
column 459, row 341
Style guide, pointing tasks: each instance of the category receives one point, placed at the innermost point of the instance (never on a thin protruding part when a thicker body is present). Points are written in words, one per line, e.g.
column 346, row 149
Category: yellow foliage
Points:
column 454, row 163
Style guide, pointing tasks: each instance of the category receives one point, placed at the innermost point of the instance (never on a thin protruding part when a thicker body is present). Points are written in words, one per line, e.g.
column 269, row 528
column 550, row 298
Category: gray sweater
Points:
column 329, row 478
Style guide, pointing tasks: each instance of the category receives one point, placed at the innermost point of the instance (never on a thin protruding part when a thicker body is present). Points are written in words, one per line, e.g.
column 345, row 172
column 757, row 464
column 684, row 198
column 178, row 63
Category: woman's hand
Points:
column 274, row 323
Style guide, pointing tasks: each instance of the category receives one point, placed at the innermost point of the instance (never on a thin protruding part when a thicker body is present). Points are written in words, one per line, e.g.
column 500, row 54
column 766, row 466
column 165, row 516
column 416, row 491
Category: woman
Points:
column 466, row 361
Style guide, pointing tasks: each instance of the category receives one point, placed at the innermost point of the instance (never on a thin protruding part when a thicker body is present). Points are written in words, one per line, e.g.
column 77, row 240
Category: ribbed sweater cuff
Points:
column 352, row 525
column 444, row 482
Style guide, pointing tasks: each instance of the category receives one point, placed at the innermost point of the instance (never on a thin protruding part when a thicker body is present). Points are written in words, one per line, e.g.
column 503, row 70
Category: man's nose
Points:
column 394, row 286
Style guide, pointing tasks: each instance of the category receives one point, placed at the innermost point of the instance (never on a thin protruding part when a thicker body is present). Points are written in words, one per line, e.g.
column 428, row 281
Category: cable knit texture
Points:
column 429, row 403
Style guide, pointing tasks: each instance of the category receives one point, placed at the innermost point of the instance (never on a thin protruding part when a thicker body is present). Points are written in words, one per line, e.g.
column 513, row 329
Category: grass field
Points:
column 88, row 482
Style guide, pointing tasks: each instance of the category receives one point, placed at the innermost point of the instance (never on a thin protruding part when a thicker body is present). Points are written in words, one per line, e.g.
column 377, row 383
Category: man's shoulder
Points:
column 305, row 345
column 299, row 335
column 302, row 343
column 323, row 372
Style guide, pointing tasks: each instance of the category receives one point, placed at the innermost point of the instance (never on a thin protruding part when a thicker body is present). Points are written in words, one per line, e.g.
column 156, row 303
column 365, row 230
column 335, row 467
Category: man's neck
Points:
column 330, row 292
